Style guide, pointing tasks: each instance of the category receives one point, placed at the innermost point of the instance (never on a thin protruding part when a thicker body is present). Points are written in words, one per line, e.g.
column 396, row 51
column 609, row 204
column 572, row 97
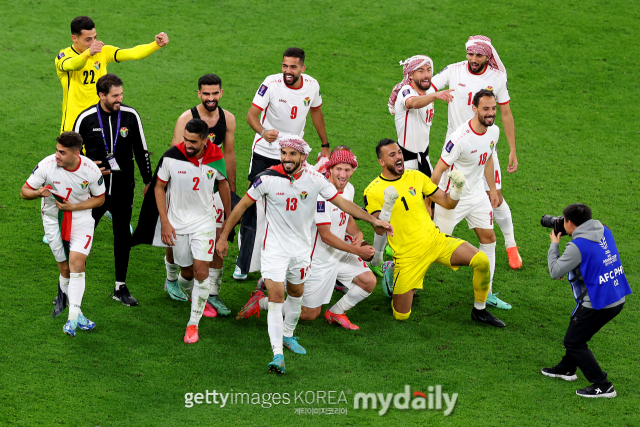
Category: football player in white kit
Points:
column 470, row 150
column 70, row 185
column 290, row 191
column 483, row 69
column 279, row 108
column 187, row 222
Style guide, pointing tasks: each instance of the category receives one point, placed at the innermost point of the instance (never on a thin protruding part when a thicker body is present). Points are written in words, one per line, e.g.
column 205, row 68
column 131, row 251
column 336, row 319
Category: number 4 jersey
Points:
column 284, row 109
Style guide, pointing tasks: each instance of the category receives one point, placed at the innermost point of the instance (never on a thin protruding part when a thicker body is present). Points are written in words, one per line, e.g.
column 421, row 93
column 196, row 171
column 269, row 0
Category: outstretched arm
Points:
column 423, row 101
column 143, row 50
column 358, row 213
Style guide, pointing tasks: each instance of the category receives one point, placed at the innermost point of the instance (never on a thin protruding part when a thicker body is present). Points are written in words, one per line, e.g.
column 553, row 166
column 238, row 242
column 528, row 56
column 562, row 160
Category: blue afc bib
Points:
column 601, row 271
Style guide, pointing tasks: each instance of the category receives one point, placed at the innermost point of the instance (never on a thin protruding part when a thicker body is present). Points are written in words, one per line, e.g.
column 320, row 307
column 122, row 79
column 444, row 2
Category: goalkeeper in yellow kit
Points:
column 397, row 196
column 81, row 65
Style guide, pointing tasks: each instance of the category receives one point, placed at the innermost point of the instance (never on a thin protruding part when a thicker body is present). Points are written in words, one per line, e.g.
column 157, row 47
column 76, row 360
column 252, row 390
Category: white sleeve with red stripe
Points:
column 502, row 92
column 38, row 177
column 327, row 190
column 323, row 213
column 317, row 98
column 441, row 80
column 451, row 151
column 261, row 98
column 259, row 188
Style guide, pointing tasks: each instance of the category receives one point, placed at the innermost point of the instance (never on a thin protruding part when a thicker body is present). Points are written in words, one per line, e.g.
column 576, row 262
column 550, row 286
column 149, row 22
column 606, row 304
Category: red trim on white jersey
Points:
column 328, row 200
column 405, row 104
column 294, row 88
column 160, row 179
column 448, row 181
column 249, row 196
column 434, row 87
column 442, row 160
column 504, row 103
column 264, row 116
column 257, row 106
column 69, row 170
column 100, row 194
column 323, row 223
column 406, row 120
column 313, row 108
column 264, row 243
column 254, row 144
column 314, row 246
column 471, row 127
column 30, row 186
column 486, row 67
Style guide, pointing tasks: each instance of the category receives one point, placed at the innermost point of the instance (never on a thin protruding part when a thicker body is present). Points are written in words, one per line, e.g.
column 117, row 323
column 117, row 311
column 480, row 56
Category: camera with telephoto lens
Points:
column 555, row 222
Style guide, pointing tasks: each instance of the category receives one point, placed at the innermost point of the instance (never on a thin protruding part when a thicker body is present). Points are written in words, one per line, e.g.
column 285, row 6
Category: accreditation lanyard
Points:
column 110, row 154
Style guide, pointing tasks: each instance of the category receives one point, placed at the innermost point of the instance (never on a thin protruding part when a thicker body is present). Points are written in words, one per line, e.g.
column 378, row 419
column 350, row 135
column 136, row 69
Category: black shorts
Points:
column 260, row 164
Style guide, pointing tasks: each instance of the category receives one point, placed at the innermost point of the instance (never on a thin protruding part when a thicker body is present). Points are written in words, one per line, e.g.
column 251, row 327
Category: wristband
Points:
column 262, row 133
column 325, row 145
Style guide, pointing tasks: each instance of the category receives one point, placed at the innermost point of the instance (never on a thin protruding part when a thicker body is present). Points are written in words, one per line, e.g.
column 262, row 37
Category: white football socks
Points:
column 198, row 300
column 264, row 304
column 118, row 284
column 275, row 323
column 64, row 284
column 215, row 281
column 186, row 285
column 490, row 250
column 292, row 309
column 349, row 300
column 172, row 270
column 76, row 291
column 502, row 215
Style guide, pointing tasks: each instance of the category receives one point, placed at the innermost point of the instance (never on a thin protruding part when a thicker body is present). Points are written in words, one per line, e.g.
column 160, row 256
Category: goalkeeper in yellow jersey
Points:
column 397, row 196
column 81, row 65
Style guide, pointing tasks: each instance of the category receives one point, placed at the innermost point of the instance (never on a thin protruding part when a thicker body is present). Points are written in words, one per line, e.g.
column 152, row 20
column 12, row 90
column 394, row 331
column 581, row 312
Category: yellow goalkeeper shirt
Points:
column 79, row 73
column 413, row 230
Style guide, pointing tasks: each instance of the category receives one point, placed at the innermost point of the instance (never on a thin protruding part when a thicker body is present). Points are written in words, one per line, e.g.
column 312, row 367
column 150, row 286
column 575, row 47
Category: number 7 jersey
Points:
column 413, row 229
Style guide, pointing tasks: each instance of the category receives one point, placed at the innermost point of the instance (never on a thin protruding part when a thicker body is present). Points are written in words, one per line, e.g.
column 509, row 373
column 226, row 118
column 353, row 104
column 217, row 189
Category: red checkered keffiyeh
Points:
column 338, row 157
column 481, row 45
column 298, row 144
column 410, row 65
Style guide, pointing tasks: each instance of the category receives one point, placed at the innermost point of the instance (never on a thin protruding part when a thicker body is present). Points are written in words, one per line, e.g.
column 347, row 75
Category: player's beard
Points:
column 112, row 107
column 393, row 169
column 291, row 171
column 487, row 120
column 191, row 153
column 419, row 84
column 206, row 107
column 293, row 82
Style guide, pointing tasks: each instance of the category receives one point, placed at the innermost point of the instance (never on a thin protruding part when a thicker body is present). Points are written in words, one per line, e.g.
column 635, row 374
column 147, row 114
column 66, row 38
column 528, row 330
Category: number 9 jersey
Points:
column 413, row 228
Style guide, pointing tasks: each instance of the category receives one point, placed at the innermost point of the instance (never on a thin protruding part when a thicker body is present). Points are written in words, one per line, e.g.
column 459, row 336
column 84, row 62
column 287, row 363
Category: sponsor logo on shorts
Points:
column 307, row 101
column 61, row 55
column 262, row 90
column 257, row 182
column 84, row 184
column 96, row 65
column 303, row 195
column 124, row 132
column 412, row 191
column 406, row 92
column 100, row 181
column 449, row 146
column 35, row 169
column 321, row 206
column 211, row 137
column 210, row 173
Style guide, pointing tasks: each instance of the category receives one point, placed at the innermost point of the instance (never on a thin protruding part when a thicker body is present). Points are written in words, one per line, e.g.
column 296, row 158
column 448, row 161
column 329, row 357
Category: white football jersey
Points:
column 290, row 207
column 468, row 152
column 329, row 214
column 284, row 109
column 76, row 186
column 413, row 125
column 189, row 195
column 466, row 84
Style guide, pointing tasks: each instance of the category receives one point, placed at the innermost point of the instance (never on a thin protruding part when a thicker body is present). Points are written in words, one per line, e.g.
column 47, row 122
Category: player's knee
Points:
column 400, row 316
column 309, row 313
column 480, row 262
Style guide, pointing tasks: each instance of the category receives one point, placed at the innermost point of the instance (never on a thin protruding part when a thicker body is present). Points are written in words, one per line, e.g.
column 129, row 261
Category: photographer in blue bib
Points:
column 592, row 264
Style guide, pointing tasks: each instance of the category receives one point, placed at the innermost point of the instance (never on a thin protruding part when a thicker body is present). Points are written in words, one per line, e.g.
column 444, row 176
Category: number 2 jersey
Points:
column 413, row 229
column 290, row 206
column 284, row 109
column 466, row 84
column 76, row 186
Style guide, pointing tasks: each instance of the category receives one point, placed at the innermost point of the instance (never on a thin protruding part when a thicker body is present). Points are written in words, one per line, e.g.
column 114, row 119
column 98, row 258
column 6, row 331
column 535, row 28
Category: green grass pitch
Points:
column 573, row 81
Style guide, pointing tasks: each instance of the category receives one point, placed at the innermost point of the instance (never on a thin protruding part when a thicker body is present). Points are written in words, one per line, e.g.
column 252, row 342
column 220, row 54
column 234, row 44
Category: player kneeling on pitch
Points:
column 397, row 196
column 194, row 170
column 66, row 182
column 291, row 192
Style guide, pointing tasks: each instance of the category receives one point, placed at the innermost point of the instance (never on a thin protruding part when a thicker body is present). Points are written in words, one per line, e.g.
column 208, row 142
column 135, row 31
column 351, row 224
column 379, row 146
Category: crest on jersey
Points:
column 449, row 146
column 124, row 132
column 320, row 206
column 406, row 92
column 101, row 180
column 61, row 55
column 96, row 65
column 412, row 191
column 492, row 145
column 211, row 137
column 210, row 173
column 303, row 195
column 257, row 182
column 262, row 90
column 84, row 184
column 489, row 87
column 307, row 101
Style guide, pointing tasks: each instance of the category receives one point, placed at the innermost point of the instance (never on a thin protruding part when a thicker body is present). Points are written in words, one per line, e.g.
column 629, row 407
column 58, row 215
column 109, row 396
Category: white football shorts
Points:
column 219, row 209
column 278, row 267
column 199, row 245
column 81, row 236
column 477, row 211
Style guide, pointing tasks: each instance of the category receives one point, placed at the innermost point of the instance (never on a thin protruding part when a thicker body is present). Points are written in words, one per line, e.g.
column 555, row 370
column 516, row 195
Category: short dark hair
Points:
column 294, row 52
column 70, row 140
column 383, row 143
column 209, row 79
column 341, row 147
column 577, row 213
column 106, row 82
column 81, row 23
column 481, row 94
column 199, row 127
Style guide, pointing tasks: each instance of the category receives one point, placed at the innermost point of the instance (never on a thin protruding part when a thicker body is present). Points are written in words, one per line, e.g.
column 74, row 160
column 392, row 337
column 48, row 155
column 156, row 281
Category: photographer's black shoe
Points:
column 555, row 373
column 483, row 316
column 61, row 302
column 595, row 390
column 122, row 294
